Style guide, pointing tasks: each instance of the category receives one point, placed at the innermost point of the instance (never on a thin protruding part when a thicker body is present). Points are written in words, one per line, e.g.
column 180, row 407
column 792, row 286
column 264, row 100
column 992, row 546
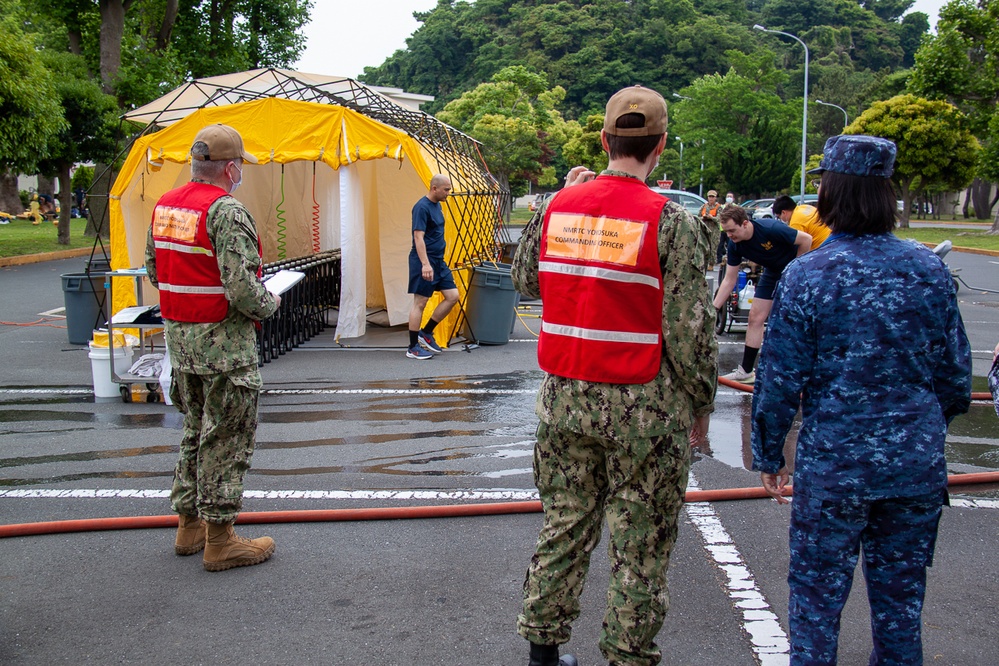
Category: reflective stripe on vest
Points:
column 601, row 282
column 594, row 334
column 166, row 245
column 592, row 271
column 182, row 289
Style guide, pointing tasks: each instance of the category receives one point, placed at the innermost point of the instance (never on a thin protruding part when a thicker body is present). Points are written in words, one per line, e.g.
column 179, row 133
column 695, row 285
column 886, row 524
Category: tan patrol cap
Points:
column 224, row 143
column 712, row 193
column 636, row 99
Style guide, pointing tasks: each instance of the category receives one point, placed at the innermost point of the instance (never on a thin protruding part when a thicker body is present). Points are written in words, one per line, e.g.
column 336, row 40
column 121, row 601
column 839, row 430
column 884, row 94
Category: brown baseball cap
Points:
column 224, row 143
column 636, row 99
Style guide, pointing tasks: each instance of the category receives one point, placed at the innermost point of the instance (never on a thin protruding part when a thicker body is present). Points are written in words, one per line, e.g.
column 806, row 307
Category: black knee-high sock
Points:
column 749, row 358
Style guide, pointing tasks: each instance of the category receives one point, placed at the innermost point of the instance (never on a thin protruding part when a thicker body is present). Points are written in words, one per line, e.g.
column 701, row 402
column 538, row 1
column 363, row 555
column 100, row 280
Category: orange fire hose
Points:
column 748, row 388
column 389, row 513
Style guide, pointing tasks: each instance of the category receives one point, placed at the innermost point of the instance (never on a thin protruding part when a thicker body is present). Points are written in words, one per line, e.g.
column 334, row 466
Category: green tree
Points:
column 222, row 36
column 90, row 134
column 583, row 146
column 29, row 119
column 515, row 118
column 961, row 65
column 936, row 149
column 751, row 136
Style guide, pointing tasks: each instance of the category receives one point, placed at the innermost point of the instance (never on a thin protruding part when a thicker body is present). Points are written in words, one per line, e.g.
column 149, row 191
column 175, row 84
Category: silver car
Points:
column 688, row 200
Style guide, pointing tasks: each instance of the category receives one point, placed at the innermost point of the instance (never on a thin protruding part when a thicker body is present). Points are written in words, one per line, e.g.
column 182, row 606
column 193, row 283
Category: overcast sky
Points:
column 346, row 36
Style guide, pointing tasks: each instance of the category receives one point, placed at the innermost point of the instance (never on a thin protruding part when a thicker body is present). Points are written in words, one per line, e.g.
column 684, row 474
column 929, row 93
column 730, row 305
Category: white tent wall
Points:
column 353, row 253
column 399, row 187
column 364, row 210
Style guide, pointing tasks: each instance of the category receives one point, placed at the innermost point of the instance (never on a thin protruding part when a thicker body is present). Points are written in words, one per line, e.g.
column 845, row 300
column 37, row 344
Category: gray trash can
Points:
column 84, row 295
column 491, row 308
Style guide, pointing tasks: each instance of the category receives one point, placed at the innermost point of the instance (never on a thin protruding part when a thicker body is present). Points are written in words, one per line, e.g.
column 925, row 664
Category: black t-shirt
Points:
column 429, row 218
column 772, row 245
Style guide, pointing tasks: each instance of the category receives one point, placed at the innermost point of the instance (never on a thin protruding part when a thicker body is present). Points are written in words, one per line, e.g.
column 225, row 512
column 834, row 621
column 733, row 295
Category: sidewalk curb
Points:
column 44, row 256
column 969, row 250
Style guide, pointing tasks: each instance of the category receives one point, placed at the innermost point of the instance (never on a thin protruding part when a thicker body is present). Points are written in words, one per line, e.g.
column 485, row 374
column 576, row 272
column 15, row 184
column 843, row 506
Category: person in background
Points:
column 771, row 244
column 783, row 208
column 428, row 272
column 628, row 350
column 867, row 339
column 203, row 254
column 35, row 211
column 710, row 209
column 806, row 218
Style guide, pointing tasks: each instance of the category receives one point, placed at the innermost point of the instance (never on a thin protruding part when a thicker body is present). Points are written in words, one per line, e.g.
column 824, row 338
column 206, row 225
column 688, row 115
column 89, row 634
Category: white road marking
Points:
column 769, row 641
column 975, row 503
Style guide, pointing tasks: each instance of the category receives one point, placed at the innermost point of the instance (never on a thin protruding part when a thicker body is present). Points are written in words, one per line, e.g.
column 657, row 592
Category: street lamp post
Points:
column 846, row 118
column 700, row 188
column 804, row 114
column 681, row 161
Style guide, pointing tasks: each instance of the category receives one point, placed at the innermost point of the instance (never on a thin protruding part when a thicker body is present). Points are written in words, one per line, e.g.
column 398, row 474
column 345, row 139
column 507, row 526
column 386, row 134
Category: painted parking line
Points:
column 761, row 624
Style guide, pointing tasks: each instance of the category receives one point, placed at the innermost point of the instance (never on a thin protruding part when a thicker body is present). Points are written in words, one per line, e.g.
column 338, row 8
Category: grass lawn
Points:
column 21, row 237
column 972, row 238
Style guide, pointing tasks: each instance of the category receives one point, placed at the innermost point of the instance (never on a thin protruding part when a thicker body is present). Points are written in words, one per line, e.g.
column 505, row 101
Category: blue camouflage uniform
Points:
column 866, row 336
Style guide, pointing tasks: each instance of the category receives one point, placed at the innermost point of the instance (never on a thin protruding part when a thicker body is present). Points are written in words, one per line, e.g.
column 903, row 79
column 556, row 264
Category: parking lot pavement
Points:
column 369, row 428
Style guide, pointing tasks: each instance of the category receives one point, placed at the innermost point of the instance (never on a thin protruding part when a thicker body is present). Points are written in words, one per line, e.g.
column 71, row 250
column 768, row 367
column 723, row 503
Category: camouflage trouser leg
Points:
column 897, row 536
column 220, row 423
column 639, row 486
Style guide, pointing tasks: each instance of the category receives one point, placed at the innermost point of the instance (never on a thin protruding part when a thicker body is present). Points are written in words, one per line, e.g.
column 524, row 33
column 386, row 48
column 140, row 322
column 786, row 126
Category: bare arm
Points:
column 726, row 287
column 421, row 251
column 803, row 242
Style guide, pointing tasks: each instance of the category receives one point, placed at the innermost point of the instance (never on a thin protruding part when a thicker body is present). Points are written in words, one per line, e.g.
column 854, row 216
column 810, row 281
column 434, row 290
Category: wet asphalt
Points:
column 345, row 428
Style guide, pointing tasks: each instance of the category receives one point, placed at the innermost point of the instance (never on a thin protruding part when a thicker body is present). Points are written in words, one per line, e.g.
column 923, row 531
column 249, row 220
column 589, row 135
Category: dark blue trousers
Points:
column 897, row 537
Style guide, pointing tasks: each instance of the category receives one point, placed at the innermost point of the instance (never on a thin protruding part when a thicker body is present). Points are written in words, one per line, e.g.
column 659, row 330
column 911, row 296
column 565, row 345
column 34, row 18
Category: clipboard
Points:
column 282, row 281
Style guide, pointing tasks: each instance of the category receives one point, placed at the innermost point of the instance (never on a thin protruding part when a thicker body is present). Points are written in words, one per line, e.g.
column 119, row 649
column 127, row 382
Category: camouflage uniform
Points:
column 621, row 452
column 866, row 336
column 215, row 377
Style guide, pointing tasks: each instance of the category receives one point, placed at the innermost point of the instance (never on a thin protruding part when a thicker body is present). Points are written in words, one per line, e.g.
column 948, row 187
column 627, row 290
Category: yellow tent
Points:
column 340, row 167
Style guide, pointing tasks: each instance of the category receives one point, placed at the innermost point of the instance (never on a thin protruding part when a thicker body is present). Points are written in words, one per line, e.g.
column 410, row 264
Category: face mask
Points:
column 236, row 183
column 729, row 200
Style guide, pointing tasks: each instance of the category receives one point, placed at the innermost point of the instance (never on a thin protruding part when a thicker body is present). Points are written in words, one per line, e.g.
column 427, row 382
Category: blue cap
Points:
column 858, row 155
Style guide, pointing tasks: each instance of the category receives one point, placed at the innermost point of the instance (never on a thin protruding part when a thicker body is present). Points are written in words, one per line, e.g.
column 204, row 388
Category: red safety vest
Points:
column 187, row 269
column 601, row 283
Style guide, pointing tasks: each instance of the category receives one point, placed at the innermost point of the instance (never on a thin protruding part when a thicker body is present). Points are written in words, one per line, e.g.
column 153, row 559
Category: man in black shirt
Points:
column 771, row 244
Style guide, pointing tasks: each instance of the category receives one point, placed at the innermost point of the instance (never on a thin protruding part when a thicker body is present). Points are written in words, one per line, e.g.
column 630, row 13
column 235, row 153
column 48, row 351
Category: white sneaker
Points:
column 741, row 376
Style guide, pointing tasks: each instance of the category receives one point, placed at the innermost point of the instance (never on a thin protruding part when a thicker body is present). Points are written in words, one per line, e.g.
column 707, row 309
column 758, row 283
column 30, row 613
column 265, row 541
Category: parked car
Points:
column 688, row 200
column 762, row 208
column 810, row 199
column 539, row 200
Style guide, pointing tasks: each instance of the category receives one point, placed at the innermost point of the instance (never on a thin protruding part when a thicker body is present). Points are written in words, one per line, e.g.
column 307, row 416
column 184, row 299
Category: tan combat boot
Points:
column 190, row 535
column 225, row 550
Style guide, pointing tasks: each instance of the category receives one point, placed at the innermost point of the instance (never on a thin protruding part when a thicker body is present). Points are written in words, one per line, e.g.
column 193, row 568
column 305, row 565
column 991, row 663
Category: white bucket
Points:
column 100, row 365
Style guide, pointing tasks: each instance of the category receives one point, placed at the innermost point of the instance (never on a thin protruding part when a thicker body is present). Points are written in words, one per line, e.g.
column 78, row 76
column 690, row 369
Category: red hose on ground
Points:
column 748, row 388
column 389, row 513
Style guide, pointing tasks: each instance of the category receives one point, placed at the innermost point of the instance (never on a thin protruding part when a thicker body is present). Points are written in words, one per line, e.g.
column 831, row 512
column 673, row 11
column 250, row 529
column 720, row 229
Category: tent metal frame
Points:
column 475, row 206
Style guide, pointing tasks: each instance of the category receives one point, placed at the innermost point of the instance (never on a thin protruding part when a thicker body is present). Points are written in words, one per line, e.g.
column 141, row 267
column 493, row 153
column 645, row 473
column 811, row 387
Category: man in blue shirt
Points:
column 428, row 272
column 867, row 338
column 771, row 244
